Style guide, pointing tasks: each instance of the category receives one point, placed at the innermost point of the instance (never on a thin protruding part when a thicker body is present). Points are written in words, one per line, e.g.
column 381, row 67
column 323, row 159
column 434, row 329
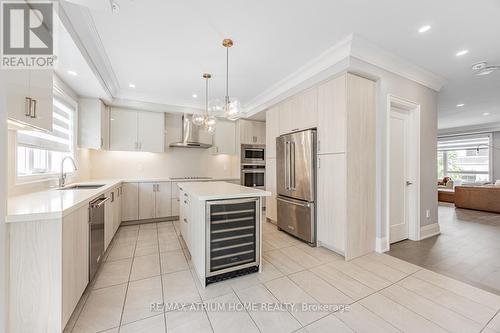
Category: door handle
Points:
column 408, row 183
column 294, row 202
column 27, row 105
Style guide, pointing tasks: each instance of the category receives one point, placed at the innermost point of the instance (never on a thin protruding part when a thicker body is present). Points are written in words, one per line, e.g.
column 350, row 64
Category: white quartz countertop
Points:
column 178, row 180
column 54, row 203
column 220, row 190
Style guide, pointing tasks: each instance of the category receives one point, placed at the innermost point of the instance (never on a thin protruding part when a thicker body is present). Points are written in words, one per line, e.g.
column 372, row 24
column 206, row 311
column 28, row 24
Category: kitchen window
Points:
column 465, row 157
column 39, row 154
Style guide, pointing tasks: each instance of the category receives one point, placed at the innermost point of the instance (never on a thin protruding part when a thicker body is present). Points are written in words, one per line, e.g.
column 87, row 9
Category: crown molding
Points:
column 373, row 54
column 150, row 106
column 472, row 129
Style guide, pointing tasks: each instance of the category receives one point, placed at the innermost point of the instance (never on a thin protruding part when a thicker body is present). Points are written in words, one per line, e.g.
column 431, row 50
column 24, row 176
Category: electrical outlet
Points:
column 428, row 213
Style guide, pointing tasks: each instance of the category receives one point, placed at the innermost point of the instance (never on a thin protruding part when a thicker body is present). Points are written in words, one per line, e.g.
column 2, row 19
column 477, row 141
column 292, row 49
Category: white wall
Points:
column 390, row 83
column 3, row 210
column 176, row 162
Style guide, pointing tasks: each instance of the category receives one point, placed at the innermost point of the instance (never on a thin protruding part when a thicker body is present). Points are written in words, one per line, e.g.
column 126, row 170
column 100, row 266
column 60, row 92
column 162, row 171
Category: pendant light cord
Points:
column 206, row 96
column 227, row 78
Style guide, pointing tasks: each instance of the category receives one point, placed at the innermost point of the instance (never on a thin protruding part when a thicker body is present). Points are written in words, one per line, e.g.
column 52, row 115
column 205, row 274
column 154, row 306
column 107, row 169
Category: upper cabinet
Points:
column 93, row 123
column 299, row 112
column 224, row 137
column 29, row 96
column 132, row 130
column 252, row 132
column 272, row 130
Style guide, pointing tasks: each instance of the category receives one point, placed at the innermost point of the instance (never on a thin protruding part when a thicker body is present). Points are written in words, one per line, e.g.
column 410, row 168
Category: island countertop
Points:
column 220, row 190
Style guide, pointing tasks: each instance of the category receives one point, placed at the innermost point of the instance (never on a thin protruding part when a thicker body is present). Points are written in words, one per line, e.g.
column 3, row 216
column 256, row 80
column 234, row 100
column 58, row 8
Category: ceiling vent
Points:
column 482, row 68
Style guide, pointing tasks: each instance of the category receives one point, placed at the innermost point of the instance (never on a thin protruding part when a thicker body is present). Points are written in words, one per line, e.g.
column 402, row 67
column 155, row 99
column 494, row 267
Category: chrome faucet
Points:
column 62, row 179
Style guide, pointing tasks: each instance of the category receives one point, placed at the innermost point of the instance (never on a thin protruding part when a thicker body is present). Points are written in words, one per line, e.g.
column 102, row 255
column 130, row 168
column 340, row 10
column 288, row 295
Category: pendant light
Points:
column 231, row 105
column 197, row 118
column 208, row 120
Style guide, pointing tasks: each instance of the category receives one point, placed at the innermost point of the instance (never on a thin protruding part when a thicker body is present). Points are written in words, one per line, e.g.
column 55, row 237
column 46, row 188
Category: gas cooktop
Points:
column 191, row 178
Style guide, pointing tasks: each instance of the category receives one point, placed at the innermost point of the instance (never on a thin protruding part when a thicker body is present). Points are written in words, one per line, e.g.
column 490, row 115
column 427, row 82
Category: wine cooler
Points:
column 232, row 238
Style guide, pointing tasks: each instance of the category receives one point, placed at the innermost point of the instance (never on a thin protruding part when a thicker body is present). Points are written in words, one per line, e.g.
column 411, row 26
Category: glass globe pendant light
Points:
column 208, row 120
column 232, row 106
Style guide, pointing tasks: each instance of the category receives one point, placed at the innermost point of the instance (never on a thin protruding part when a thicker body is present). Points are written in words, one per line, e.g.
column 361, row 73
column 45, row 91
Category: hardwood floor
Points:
column 468, row 248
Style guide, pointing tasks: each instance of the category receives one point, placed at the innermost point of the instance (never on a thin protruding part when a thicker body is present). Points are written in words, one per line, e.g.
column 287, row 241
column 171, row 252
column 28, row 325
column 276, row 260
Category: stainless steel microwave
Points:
column 253, row 154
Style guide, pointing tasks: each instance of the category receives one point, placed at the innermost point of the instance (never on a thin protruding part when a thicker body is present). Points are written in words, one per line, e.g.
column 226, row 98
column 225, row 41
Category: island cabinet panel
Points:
column 130, row 202
column 75, row 259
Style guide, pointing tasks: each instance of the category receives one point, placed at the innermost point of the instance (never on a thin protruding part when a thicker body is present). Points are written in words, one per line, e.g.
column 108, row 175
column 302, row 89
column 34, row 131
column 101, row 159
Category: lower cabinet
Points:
column 130, row 201
column 184, row 217
column 112, row 217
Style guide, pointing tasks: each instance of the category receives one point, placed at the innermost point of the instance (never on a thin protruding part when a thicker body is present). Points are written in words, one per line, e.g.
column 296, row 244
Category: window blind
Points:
column 465, row 142
column 61, row 137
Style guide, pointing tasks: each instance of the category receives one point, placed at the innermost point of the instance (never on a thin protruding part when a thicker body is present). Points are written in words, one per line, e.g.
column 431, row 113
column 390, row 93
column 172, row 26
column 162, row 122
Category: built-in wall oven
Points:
column 232, row 238
column 253, row 154
column 253, row 175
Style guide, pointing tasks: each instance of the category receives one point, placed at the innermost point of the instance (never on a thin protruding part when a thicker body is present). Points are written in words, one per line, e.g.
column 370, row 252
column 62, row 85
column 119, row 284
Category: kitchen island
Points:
column 221, row 224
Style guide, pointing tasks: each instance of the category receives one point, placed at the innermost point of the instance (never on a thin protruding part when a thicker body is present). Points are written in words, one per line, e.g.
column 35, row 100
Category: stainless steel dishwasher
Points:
column 96, row 239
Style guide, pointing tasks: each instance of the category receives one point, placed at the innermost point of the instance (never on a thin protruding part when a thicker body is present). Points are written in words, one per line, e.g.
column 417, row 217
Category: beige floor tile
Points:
column 268, row 321
column 113, row 330
column 395, row 263
column 362, row 275
column 463, row 289
column 302, row 257
column 398, row 315
column 147, row 226
column 141, row 294
column 154, row 324
column 346, row 284
column 494, row 324
column 145, row 266
column 102, row 310
column 173, row 261
column 362, row 320
column 266, row 246
column 121, row 251
column 319, row 289
column 146, row 247
column 179, row 287
column 282, row 262
column 112, row 273
column 320, row 253
column 188, row 321
column 464, row 306
column 437, row 314
column 229, row 321
column 380, row 269
column 327, row 325
column 288, row 292
column 169, row 243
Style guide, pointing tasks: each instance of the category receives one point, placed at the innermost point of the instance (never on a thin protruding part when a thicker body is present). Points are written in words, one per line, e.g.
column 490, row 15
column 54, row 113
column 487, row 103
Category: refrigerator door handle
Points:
column 296, row 203
column 287, row 165
column 292, row 166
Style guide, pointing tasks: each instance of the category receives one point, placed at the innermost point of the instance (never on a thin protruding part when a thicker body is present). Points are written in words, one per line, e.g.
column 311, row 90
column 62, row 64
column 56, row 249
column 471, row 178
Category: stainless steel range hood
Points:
column 193, row 136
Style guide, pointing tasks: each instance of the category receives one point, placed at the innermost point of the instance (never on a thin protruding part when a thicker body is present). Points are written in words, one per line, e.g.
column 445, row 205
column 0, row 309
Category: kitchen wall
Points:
column 390, row 83
column 4, row 273
column 176, row 162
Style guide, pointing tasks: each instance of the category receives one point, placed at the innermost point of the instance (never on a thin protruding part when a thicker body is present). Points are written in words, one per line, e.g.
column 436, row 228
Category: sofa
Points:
column 446, row 189
column 485, row 197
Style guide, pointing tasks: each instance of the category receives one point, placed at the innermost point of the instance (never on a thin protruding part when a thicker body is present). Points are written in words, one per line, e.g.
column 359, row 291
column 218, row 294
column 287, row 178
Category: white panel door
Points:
column 398, row 155
column 123, row 136
column 130, row 202
column 147, row 201
column 331, row 203
column 163, row 199
column 151, row 131
column 272, row 130
column 332, row 113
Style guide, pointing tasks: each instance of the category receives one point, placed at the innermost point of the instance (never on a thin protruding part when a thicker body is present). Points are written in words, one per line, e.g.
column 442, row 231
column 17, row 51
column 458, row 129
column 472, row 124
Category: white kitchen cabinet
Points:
column 29, row 97
column 299, row 112
column 184, row 217
column 175, row 200
column 224, row 141
column 130, row 201
column 285, row 116
column 147, row 197
column 272, row 209
column 132, row 130
column 93, row 124
column 123, row 130
column 272, row 130
column 252, row 132
column 151, row 131
column 331, row 203
column 271, row 175
column 163, row 196
column 332, row 116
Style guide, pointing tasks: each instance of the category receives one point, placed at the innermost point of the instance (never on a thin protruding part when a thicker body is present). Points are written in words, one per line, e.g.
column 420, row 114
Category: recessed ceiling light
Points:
column 461, row 53
column 424, row 29
column 460, row 105
column 131, row 85
column 487, row 70
column 486, row 114
column 72, row 73
column 194, row 96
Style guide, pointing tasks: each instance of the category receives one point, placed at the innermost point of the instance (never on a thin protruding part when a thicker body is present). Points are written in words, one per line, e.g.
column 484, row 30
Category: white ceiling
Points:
column 163, row 47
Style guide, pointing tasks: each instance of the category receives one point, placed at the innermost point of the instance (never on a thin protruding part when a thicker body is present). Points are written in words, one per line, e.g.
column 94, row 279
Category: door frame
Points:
column 413, row 111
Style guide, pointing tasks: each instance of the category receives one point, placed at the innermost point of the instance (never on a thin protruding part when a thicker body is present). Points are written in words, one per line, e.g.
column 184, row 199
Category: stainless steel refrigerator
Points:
column 296, row 184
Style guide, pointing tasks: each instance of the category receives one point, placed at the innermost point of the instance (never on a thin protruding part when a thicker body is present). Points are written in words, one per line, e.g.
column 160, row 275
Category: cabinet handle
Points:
column 319, row 162
column 185, row 202
column 185, row 220
column 113, row 196
column 319, row 145
column 27, row 107
column 33, row 114
column 102, row 142
column 157, row 187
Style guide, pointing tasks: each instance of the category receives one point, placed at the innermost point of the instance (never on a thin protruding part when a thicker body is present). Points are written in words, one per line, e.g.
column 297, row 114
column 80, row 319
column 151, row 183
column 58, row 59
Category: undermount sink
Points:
column 82, row 187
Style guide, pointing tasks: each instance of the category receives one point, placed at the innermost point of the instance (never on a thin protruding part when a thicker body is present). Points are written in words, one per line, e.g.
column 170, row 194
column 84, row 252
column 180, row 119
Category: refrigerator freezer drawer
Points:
column 297, row 218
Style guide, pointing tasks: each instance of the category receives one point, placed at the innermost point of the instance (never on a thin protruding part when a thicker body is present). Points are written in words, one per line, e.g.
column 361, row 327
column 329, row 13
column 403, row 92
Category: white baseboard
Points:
column 381, row 244
column 429, row 230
